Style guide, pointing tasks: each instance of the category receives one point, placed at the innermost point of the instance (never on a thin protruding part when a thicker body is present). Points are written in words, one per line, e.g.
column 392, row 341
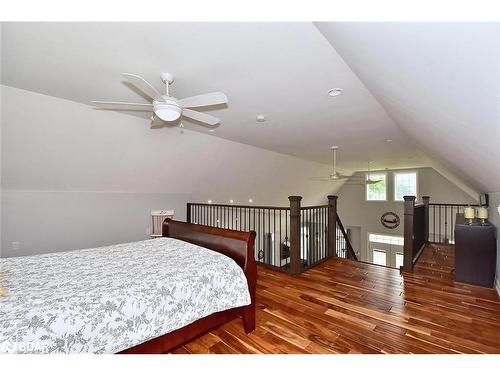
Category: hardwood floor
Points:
column 343, row 306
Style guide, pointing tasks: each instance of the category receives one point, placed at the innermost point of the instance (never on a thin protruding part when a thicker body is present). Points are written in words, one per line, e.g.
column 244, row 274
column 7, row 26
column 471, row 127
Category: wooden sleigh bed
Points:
column 237, row 245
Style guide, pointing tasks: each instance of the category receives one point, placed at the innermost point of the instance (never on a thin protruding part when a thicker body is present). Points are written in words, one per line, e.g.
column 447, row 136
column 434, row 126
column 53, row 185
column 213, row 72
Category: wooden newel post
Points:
column 425, row 200
column 295, row 264
column 332, row 225
column 409, row 210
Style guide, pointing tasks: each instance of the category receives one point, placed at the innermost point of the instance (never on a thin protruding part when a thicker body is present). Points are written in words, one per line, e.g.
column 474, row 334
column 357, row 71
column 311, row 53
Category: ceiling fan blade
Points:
column 198, row 116
column 326, row 179
column 142, row 85
column 320, row 178
column 123, row 106
column 203, row 100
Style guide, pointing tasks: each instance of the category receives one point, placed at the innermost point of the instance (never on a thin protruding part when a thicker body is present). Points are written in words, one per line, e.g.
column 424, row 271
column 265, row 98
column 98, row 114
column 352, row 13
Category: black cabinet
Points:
column 475, row 252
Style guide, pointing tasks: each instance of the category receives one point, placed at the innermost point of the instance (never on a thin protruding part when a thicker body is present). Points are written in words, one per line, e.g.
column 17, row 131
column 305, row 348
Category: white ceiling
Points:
column 436, row 84
column 440, row 82
column 282, row 70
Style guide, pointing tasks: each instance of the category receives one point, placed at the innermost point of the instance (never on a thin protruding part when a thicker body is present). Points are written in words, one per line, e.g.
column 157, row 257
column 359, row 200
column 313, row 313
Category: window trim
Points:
column 394, row 184
column 366, row 186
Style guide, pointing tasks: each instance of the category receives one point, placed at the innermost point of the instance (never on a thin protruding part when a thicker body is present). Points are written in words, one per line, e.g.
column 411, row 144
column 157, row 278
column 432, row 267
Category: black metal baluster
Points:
column 264, row 233
column 325, row 233
column 315, row 232
column 312, row 236
column 452, row 226
column 274, row 237
column 271, row 261
column 257, row 241
column 280, row 241
column 447, row 222
column 440, row 239
column 288, row 235
column 262, row 248
column 434, row 223
column 310, row 240
column 322, row 235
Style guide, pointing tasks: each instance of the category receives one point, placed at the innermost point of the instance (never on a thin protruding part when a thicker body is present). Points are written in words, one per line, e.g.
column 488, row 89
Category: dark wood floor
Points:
column 344, row 306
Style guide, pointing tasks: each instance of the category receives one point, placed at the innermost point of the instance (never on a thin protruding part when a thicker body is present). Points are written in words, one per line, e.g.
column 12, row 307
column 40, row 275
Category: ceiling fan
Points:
column 362, row 179
column 166, row 108
column 334, row 176
column 369, row 180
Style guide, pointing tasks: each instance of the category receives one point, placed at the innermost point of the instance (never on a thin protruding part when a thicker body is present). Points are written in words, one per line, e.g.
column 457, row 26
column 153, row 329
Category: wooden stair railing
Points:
column 428, row 222
column 350, row 253
column 290, row 239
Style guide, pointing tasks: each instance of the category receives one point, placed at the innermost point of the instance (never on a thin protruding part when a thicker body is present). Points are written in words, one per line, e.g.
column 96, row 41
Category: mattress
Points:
column 108, row 299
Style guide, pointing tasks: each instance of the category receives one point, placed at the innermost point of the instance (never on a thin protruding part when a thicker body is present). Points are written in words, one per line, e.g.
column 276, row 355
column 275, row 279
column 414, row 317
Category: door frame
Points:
column 390, row 249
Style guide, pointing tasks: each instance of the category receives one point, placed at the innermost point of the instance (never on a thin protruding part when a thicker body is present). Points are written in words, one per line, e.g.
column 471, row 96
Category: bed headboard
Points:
column 235, row 244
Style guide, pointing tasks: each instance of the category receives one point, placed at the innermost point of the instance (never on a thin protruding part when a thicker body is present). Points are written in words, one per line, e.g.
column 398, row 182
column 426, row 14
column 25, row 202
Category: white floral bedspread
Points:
column 108, row 299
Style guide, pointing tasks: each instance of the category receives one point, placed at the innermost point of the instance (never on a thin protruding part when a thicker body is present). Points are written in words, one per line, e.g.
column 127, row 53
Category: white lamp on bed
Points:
column 157, row 219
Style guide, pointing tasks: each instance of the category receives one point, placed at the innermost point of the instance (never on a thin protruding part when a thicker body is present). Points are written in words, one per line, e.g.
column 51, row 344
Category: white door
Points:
column 385, row 250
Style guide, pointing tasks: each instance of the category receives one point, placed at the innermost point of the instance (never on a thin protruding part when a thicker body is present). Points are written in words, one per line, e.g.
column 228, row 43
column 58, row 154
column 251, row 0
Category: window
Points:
column 399, row 260
column 379, row 257
column 391, row 240
column 376, row 192
column 405, row 184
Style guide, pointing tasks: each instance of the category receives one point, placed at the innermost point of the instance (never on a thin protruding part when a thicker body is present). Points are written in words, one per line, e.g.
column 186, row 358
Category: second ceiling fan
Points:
column 336, row 176
column 166, row 108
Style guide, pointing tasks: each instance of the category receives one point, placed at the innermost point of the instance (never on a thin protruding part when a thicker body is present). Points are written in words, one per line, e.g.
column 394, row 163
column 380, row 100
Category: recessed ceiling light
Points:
column 335, row 92
column 211, row 130
column 388, row 140
column 260, row 118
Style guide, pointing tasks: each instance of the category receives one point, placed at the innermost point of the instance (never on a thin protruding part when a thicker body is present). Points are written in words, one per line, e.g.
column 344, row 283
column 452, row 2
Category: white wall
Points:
column 355, row 211
column 44, row 221
column 59, row 155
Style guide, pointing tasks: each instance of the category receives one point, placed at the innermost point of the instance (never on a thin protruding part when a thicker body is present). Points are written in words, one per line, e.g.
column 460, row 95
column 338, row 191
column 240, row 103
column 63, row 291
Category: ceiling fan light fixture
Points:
column 167, row 111
column 166, row 107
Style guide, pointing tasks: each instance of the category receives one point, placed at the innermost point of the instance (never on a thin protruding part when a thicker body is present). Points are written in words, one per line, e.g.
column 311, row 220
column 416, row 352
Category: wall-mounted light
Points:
column 231, row 201
column 209, row 201
column 251, row 201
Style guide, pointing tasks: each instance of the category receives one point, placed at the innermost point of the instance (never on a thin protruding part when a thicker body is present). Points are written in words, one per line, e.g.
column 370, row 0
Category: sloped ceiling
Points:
column 431, row 88
column 439, row 82
column 282, row 70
